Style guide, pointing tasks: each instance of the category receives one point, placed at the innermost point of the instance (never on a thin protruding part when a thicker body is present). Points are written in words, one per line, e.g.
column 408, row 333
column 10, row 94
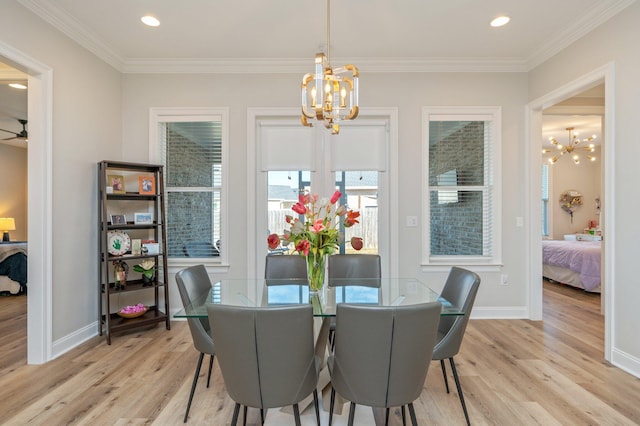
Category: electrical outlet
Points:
column 504, row 280
column 412, row 221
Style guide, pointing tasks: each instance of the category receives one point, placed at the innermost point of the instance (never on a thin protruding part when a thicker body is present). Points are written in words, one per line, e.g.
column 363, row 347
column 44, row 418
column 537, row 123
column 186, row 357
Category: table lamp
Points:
column 7, row 224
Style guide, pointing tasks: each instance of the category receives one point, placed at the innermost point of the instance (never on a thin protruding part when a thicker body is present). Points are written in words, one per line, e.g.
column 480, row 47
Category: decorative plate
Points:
column 119, row 242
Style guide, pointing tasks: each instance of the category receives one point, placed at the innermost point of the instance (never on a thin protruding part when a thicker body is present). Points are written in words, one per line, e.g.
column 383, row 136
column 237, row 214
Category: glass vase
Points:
column 315, row 271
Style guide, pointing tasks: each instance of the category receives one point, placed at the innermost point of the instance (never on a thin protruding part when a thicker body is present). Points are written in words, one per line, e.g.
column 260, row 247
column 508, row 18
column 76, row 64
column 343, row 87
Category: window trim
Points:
column 159, row 115
column 485, row 113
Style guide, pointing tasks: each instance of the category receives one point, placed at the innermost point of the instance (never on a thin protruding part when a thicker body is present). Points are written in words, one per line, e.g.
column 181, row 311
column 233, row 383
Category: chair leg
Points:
column 404, row 417
column 333, row 400
column 210, row 368
column 296, row 414
column 244, row 415
column 236, row 410
column 386, row 417
column 352, row 413
column 316, row 403
column 262, row 416
column 412, row 413
column 444, row 374
column 457, row 379
column 193, row 386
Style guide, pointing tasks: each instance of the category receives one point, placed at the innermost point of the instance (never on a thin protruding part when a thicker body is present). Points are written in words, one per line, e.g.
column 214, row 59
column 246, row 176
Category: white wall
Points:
column 409, row 92
column 584, row 178
column 86, row 128
column 13, row 188
column 616, row 41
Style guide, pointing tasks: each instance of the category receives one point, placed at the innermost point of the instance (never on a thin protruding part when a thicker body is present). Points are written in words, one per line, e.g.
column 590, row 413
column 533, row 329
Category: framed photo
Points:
column 136, row 247
column 147, row 185
column 118, row 219
column 116, row 182
column 143, row 218
column 151, row 248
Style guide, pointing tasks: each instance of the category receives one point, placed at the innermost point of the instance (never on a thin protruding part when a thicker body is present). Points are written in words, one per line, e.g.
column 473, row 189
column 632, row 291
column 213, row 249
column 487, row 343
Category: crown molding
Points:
column 599, row 14
column 62, row 21
column 301, row 66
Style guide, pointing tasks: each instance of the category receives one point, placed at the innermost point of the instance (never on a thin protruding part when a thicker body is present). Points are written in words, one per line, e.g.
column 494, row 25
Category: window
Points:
column 191, row 146
column 460, row 189
column 545, row 200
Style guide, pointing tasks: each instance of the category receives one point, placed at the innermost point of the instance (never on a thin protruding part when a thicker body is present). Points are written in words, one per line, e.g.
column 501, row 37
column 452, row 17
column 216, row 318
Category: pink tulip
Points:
column 318, row 226
column 335, row 197
column 299, row 208
column 274, row 241
column 303, row 247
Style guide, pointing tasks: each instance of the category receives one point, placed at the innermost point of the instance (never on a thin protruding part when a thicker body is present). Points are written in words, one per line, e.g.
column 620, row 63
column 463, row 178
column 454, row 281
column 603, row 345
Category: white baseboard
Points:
column 70, row 341
column 626, row 362
column 506, row 312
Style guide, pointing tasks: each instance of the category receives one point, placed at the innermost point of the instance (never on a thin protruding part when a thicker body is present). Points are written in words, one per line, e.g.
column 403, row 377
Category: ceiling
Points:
column 284, row 35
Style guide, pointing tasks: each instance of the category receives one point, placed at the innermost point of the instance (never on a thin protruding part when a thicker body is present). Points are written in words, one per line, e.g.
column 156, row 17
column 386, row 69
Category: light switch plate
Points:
column 412, row 221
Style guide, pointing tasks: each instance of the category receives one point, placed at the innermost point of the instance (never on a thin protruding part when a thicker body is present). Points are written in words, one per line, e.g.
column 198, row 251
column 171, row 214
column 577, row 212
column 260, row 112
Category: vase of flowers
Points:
column 147, row 268
column 315, row 233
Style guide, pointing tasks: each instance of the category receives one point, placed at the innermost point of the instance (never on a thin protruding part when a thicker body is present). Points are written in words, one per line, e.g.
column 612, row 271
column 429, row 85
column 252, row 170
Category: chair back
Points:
column 194, row 282
column 285, row 266
column 365, row 266
column 460, row 289
column 266, row 355
column 382, row 354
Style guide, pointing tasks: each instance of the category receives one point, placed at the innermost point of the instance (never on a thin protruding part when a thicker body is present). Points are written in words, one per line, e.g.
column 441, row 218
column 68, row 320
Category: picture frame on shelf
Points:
column 118, row 219
column 151, row 248
column 116, row 182
column 144, row 218
column 136, row 247
column 147, row 185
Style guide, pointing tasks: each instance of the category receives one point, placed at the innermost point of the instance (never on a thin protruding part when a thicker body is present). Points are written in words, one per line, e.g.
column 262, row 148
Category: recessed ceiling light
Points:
column 17, row 86
column 150, row 20
column 500, row 21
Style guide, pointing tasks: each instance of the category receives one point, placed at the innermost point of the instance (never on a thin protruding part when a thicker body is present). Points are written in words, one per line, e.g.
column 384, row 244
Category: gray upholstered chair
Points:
column 266, row 356
column 354, row 266
column 460, row 289
column 388, row 367
column 350, row 266
column 192, row 283
column 285, row 266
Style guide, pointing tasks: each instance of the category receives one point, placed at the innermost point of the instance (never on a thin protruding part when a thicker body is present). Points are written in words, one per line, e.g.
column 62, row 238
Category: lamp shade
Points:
column 7, row 224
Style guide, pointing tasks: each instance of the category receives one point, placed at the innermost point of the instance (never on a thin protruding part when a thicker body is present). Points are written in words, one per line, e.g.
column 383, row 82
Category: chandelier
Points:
column 329, row 95
column 572, row 147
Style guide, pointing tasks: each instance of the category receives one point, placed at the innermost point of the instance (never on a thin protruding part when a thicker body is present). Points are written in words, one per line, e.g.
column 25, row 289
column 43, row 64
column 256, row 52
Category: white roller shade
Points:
column 360, row 147
column 285, row 146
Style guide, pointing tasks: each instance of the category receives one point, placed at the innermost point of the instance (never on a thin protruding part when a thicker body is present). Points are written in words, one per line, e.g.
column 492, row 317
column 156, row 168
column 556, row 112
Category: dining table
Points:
column 250, row 292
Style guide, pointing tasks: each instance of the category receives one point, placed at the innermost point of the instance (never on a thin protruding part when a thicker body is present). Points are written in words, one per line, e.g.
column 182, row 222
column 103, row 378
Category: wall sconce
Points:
column 7, row 224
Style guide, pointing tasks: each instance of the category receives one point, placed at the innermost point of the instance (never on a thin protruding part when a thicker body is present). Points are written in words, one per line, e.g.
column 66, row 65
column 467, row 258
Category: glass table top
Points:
column 277, row 292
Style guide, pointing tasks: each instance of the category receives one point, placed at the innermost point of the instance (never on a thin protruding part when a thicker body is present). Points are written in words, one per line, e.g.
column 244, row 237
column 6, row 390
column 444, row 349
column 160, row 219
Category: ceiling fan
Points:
column 23, row 134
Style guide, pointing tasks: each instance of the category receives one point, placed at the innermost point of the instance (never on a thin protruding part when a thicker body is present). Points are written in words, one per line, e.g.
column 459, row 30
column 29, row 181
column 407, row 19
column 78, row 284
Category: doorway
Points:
column 603, row 75
column 40, row 210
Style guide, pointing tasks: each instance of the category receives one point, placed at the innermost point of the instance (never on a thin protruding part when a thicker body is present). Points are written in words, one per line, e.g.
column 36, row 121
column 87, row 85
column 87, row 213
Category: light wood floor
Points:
column 513, row 372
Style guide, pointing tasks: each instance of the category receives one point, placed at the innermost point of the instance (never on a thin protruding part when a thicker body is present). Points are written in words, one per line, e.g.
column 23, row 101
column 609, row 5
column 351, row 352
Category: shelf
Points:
column 133, row 285
column 152, row 316
column 128, row 204
column 131, row 257
column 132, row 196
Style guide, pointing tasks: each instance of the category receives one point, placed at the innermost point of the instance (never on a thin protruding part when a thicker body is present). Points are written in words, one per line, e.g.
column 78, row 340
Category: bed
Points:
column 13, row 268
column 576, row 263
